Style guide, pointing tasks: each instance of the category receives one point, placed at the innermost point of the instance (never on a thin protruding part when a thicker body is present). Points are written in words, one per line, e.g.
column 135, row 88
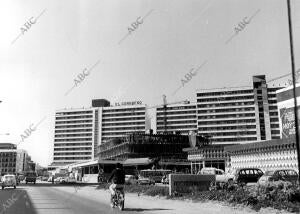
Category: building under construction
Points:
column 165, row 149
column 162, row 146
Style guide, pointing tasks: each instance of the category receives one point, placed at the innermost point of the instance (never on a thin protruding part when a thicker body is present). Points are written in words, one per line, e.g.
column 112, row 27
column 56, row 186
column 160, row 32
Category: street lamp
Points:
column 294, row 83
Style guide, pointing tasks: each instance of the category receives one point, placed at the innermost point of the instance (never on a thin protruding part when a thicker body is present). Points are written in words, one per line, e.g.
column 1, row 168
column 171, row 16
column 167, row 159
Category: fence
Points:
column 187, row 183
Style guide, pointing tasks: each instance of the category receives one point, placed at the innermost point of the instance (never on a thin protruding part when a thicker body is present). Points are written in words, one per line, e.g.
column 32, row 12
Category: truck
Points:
column 30, row 177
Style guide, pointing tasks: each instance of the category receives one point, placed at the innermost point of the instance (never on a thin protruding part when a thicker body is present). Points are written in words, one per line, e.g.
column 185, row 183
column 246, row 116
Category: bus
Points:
column 156, row 175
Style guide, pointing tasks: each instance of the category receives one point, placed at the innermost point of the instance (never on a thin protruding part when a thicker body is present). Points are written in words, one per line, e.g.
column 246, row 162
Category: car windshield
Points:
column 208, row 171
column 269, row 173
column 9, row 177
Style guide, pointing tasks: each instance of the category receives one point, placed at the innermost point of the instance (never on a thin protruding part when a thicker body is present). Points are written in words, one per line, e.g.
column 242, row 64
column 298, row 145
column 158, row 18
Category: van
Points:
column 9, row 181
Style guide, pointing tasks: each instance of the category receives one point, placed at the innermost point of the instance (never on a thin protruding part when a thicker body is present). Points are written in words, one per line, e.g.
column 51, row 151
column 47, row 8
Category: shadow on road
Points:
column 15, row 201
column 142, row 209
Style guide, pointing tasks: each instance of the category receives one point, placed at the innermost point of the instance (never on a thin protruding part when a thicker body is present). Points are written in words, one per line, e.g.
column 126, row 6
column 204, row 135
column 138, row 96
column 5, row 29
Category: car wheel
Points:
column 14, row 187
column 34, row 182
column 2, row 187
column 26, row 182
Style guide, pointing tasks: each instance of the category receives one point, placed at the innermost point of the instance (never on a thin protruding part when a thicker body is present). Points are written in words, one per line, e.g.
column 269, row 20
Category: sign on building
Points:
column 287, row 122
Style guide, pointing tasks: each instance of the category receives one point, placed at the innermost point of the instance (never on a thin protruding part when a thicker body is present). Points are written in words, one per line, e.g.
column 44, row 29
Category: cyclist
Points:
column 118, row 180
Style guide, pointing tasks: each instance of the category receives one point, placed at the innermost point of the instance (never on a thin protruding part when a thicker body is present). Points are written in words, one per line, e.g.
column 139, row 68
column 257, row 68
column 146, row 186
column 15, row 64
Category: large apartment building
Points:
column 239, row 115
column 121, row 119
column 76, row 136
column 176, row 118
column 79, row 132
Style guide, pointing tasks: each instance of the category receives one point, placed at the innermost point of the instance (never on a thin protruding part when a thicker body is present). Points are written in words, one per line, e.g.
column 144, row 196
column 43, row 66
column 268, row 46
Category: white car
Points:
column 130, row 179
column 221, row 176
column 9, row 181
column 145, row 181
column 58, row 180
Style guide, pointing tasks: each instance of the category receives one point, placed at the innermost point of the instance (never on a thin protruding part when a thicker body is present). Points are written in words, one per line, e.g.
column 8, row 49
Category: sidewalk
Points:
column 157, row 205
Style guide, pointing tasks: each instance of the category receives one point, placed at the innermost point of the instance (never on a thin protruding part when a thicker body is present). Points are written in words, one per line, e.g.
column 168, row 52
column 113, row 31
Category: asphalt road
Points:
column 45, row 199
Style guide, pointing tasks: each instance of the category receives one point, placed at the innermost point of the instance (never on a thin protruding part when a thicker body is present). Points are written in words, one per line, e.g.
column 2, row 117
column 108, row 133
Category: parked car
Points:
column 221, row 176
column 279, row 175
column 247, row 175
column 44, row 178
column 70, row 179
column 30, row 177
column 145, row 181
column 63, row 180
column 8, row 181
column 131, row 179
column 58, row 180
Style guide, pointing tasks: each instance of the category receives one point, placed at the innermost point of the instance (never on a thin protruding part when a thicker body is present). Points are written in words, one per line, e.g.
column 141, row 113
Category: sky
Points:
column 76, row 51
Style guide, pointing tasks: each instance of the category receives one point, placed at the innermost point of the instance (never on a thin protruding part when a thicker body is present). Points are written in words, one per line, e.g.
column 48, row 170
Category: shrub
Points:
column 278, row 195
column 157, row 191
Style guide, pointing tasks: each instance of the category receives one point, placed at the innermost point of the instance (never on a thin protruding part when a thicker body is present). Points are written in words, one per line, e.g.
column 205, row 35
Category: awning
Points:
column 89, row 163
column 100, row 161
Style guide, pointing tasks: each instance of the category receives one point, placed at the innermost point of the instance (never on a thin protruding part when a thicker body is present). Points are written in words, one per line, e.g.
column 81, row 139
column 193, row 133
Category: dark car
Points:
column 279, row 175
column 30, row 177
column 247, row 175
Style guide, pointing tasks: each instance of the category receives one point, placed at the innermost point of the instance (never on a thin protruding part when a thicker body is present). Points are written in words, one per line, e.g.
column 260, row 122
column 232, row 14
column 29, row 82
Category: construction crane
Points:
column 164, row 105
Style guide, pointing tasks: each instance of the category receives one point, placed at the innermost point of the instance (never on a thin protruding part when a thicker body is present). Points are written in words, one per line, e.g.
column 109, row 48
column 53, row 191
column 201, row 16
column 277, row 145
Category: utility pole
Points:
column 294, row 85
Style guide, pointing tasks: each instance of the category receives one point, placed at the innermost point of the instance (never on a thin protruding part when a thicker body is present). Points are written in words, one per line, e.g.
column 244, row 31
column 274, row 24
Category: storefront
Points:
column 208, row 156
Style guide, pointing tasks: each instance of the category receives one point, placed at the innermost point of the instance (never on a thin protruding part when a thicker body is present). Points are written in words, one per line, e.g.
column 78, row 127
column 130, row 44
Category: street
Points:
column 45, row 198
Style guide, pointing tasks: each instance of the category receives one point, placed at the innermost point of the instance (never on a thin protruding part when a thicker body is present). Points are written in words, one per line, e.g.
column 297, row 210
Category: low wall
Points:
column 187, row 183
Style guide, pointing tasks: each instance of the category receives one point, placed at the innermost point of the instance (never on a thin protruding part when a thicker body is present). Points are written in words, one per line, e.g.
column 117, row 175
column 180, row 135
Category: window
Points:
column 219, row 172
column 249, row 172
column 242, row 172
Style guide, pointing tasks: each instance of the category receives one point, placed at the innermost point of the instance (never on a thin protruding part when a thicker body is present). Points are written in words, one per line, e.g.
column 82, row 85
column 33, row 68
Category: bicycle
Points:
column 118, row 199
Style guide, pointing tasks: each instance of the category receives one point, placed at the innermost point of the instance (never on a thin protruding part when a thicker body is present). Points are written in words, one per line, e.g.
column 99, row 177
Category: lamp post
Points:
column 294, row 83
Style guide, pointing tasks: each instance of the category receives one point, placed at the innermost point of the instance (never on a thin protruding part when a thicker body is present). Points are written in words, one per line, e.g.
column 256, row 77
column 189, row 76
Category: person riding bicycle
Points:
column 118, row 180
